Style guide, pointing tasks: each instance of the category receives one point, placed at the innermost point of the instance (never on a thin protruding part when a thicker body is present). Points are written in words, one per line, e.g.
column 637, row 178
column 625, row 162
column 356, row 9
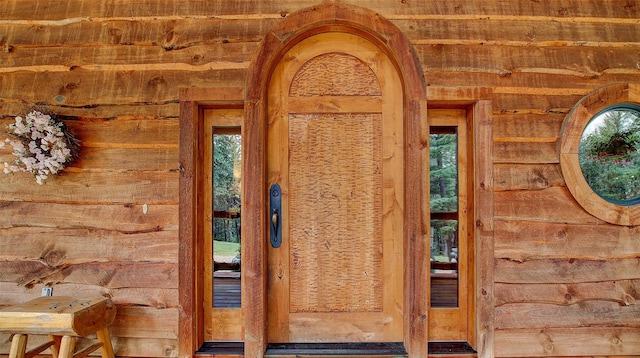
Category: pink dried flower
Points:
column 43, row 147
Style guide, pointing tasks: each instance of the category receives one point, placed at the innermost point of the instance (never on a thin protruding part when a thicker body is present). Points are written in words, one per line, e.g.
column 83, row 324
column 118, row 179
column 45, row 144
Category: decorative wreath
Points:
column 42, row 144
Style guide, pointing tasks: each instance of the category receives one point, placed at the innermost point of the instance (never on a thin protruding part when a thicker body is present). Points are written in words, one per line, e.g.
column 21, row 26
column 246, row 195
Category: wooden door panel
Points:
column 333, row 104
column 335, row 206
column 360, row 326
column 335, row 146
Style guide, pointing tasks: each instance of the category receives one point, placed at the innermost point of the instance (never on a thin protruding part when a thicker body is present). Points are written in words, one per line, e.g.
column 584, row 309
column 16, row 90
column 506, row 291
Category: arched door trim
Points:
column 362, row 22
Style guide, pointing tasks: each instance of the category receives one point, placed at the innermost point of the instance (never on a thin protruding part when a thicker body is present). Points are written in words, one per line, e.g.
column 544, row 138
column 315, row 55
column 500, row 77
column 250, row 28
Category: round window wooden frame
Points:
column 572, row 129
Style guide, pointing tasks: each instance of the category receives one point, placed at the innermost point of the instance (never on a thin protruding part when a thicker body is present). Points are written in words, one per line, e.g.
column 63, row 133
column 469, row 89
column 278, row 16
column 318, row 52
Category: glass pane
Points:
column 610, row 157
column 226, row 220
column 444, row 263
column 444, row 172
column 444, row 217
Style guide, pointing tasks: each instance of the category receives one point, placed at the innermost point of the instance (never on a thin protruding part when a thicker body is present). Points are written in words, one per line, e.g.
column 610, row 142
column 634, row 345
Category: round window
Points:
column 600, row 153
column 609, row 154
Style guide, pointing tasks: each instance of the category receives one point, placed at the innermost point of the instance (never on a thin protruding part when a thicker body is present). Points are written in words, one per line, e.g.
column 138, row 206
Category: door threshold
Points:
column 220, row 349
column 350, row 349
column 458, row 348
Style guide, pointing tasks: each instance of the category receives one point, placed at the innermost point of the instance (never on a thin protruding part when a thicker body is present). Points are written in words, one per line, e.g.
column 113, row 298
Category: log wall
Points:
column 565, row 283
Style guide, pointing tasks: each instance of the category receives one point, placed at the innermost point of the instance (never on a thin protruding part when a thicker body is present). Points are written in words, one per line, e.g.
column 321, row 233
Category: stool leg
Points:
column 105, row 338
column 18, row 346
column 67, row 347
column 55, row 348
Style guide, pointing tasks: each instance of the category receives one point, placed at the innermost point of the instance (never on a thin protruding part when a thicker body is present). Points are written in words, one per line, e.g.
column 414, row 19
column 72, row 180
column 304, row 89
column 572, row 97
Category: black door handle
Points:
column 275, row 215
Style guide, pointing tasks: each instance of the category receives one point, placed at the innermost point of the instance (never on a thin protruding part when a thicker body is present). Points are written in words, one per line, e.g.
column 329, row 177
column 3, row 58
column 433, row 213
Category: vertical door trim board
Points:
column 484, row 228
column 389, row 38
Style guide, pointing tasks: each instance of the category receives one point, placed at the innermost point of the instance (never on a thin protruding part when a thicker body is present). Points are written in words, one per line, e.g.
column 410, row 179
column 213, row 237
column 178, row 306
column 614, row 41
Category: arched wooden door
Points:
column 336, row 149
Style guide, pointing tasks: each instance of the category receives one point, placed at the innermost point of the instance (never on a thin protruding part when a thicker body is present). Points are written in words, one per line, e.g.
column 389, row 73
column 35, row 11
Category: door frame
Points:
column 329, row 17
column 193, row 103
column 384, row 34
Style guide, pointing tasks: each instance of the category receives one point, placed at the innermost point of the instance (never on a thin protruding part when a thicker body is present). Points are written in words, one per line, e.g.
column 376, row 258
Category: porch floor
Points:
column 226, row 290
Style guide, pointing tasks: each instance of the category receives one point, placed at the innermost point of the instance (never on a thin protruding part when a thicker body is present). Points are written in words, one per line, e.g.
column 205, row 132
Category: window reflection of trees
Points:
column 609, row 154
column 444, row 195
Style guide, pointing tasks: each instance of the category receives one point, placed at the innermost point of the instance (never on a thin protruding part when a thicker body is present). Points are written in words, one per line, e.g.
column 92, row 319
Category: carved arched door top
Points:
column 336, row 18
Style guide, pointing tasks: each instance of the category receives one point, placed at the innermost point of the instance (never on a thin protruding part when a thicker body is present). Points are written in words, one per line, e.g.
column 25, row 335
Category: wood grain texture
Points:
column 622, row 292
column 565, row 270
column 113, row 70
column 558, row 342
column 113, row 274
column 77, row 245
column 511, row 177
column 483, row 191
column 536, row 315
column 564, row 9
column 137, row 296
column 522, row 240
column 60, row 316
column 125, row 218
column 92, row 188
column 189, row 323
column 554, row 204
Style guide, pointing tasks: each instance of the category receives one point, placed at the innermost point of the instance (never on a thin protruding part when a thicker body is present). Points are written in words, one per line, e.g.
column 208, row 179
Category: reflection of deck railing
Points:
column 444, row 284
column 227, row 290
column 226, row 266
column 226, row 277
column 226, row 226
column 440, row 265
column 226, row 214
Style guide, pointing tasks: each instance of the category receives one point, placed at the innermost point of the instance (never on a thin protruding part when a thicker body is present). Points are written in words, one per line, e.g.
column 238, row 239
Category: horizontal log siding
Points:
column 565, row 282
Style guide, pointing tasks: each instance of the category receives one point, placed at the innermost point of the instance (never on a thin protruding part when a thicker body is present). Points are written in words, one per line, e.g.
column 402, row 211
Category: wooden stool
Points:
column 63, row 319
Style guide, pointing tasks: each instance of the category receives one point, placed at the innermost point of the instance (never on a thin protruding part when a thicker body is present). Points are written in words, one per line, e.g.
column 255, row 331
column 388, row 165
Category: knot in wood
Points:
column 157, row 81
column 615, row 340
column 69, row 87
column 547, row 343
column 561, row 234
column 628, row 300
column 170, row 41
column 54, row 257
column 116, row 34
column 504, row 73
column 197, row 58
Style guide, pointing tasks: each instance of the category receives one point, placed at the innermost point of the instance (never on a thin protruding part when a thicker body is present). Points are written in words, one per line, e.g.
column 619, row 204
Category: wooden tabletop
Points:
column 58, row 316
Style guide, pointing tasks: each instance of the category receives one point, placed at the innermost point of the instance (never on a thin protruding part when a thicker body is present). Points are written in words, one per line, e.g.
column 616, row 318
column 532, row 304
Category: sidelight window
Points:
column 222, row 211
column 451, row 233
